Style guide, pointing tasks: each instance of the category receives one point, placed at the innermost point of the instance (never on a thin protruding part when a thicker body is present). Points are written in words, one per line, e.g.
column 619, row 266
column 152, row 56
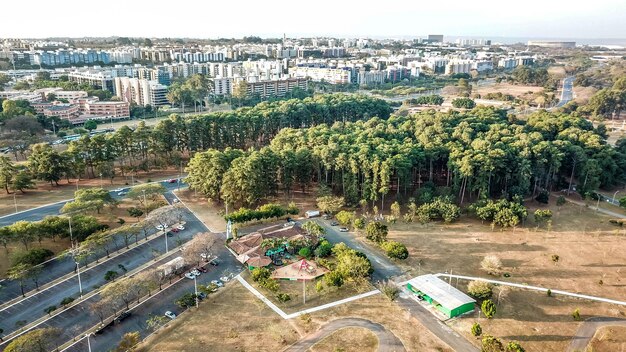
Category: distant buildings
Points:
column 435, row 38
column 276, row 88
column 552, row 44
column 141, row 91
column 84, row 109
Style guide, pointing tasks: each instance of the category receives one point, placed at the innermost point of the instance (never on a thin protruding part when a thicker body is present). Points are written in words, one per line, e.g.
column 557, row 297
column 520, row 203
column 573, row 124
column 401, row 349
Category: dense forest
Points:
column 475, row 154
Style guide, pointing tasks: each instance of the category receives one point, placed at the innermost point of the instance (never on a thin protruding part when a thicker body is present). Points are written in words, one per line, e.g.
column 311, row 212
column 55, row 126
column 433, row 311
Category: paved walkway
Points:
column 585, row 332
column 387, row 341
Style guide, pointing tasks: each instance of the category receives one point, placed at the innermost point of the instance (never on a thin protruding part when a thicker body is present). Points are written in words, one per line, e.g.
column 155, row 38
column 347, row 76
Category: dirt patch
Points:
column 246, row 324
column 583, row 94
column 505, row 88
column 609, row 338
column 348, row 340
column 558, row 71
column 209, row 213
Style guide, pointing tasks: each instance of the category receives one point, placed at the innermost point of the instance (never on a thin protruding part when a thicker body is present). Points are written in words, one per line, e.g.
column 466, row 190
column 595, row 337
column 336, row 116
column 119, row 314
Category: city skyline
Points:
column 537, row 19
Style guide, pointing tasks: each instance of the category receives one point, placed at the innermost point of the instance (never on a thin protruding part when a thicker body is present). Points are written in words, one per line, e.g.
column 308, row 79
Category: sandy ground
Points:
column 610, row 338
column 348, row 340
column 583, row 94
column 246, row 324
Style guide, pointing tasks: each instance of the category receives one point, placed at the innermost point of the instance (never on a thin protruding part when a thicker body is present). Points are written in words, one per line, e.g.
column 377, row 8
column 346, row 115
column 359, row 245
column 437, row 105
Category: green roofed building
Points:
column 442, row 296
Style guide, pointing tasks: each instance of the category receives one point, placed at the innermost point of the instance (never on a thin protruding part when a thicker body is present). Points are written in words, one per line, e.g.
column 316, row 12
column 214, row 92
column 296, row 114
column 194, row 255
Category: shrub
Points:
column 283, row 297
column 491, row 344
column 260, row 274
column 345, row 217
column 111, row 275
column 480, row 289
column 324, row 249
column 305, row 252
column 488, row 308
column 576, row 314
column 319, row 286
column 67, row 300
column 543, row 197
column 359, row 223
column 549, row 293
column 187, row 300
column 514, row 346
column 269, row 284
column 31, row 257
column 465, row 103
column 476, row 330
column 50, row 309
column 491, row 264
column 326, row 263
column 390, row 290
column 560, row 201
column 555, row 258
column 395, row 250
column 334, row 278
column 376, row 232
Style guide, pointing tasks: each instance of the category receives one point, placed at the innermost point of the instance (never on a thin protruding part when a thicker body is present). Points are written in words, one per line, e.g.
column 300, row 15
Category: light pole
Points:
column 80, row 285
column 195, row 289
column 69, row 218
column 614, row 194
column 88, row 343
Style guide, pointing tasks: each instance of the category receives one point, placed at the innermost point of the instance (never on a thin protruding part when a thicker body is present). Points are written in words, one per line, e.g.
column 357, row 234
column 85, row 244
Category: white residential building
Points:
column 318, row 74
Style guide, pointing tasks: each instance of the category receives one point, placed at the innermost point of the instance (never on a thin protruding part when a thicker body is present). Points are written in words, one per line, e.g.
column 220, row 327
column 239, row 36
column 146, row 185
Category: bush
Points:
column 491, row 264
column 543, row 197
column 324, row 249
column 476, row 330
column 319, row 286
column 305, row 252
column 390, row 290
column 576, row 314
column 326, row 263
column 560, row 201
column 488, row 308
column 111, row 275
column 333, row 278
column 269, row 284
column 345, row 218
column 395, row 250
column 376, row 232
column 260, row 274
column 187, row 300
column 283, row 297
column 50, row 309
column 480, row 289
column 359, row 223
column 463, row 103
column 549, row 293
column 67, row 300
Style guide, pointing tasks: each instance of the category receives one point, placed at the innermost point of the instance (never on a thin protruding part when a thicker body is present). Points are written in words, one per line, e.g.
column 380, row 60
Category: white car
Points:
column 122, row 193
column 343, row 229
column 161, row 227
column 176, row 200
column 217, row 283
column 196, row 272
column 190, row 276
column 180, row 227
column 170, row 315
column 224, row 278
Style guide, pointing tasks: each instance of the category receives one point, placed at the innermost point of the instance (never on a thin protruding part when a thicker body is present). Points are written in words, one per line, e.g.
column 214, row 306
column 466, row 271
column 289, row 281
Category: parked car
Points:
column 122, row 193
column 190, row 276
column 202, row 269
column 224, row 278
column 196, row 272
column 161, row 227
column 201, row 295
column 217, row 283
column 334, row 223
column 170, row 234
column 343, row 229
column 214, row 262
column 170, row 315
column 122, row 316
column 172, row 180
column 176, row 200
column 180, row 227
column 174, row 230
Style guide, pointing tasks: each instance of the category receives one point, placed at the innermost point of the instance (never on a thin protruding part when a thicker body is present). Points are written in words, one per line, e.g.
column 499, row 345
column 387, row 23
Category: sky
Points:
column 343, row 18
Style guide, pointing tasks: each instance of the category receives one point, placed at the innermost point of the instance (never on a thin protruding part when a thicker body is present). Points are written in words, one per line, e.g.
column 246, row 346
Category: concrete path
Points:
column 387, row 341
column 585, row 332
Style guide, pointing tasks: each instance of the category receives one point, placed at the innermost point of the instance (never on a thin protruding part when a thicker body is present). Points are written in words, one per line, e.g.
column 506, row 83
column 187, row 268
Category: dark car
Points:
column 201, row 295
column 170, row 234
column 334, row 223
column 202, row 269
column 214, row 262
column 172, row 180
column 121, row 317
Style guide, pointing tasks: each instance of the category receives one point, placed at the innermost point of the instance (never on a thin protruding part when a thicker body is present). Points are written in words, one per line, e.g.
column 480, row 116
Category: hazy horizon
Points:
column 536, row 19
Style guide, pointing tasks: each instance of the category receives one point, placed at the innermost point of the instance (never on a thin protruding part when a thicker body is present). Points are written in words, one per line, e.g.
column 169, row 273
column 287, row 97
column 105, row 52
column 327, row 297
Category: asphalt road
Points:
column 585, row 332
column 566, row 94
column 384, row 269
column 387, row 341
column 57, row 267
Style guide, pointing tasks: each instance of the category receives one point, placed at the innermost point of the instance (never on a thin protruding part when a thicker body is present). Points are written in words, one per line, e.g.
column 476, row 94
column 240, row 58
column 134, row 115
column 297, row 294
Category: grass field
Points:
column 348, row 340
column 590, row 261
column 505, row 88
column 609, row 338
column 246, row 324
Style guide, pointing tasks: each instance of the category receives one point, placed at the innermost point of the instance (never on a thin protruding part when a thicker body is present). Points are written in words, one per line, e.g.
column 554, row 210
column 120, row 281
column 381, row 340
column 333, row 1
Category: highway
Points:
column 58, row 266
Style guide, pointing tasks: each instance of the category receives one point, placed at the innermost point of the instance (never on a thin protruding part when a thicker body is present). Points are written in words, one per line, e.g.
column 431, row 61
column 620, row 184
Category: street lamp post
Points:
column 69, row 219
column 80, row 285
column 195, row 289
column 88, row 343
column 614, row 194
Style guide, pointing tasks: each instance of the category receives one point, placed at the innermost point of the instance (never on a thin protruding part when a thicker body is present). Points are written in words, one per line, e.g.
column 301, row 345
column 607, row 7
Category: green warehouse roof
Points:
column 440, row 291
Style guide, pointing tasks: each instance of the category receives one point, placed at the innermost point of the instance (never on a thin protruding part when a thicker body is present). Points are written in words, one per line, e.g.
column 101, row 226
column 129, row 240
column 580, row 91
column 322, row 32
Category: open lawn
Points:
column 505, row 88
column 206, row 211
column 609, row 338
column 246, row 324
column 590, row 261
column 46, row 194
column 297, row 289
column 348, row 340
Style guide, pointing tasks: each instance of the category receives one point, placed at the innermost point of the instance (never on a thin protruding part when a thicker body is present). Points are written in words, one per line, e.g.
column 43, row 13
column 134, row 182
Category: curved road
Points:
column 387, row 341
column 585, row 332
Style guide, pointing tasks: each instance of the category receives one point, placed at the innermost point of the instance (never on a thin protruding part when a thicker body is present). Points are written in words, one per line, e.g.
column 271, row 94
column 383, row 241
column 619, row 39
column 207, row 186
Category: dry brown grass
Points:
column 206, row 211
column 246, row 324
column 609, row 338
column 589, row 249
column 558, row 71
column 57, row 246
column 348, row 340
column 583, row 94
column 505, row 88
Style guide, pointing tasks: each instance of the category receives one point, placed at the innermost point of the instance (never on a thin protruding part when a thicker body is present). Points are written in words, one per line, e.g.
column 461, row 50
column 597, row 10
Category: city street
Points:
column 567, row 93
